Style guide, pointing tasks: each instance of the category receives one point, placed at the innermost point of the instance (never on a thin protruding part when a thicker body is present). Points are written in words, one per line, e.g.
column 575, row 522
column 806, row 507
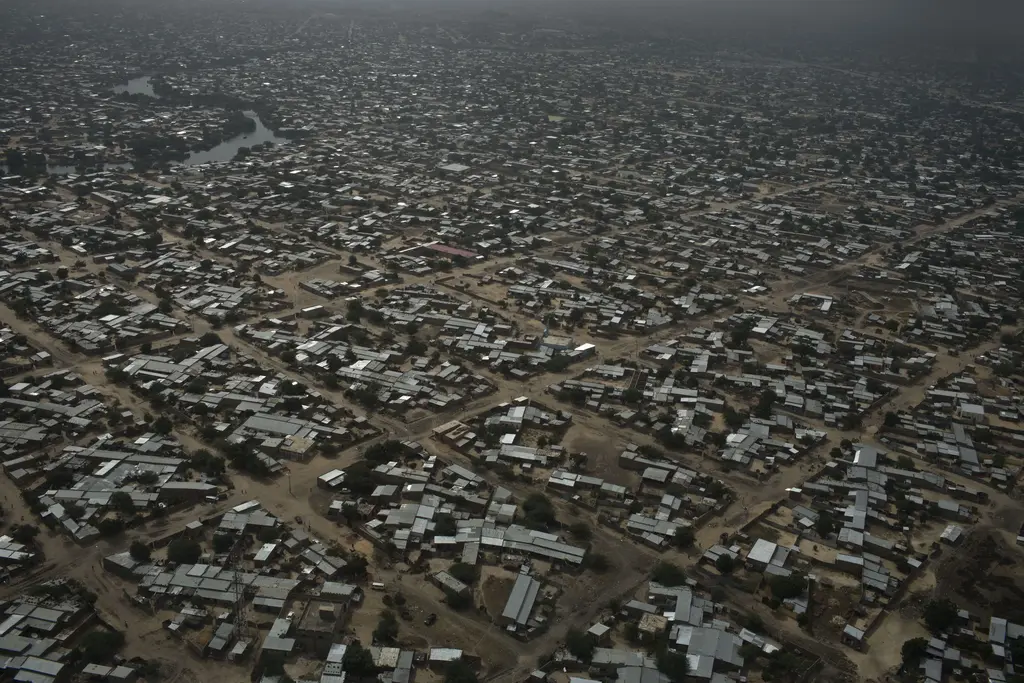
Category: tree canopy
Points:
column 538, row 512
column 580, row 645
column 940, row 615
column 668, row 574
column 139, row 551
column 184, row 551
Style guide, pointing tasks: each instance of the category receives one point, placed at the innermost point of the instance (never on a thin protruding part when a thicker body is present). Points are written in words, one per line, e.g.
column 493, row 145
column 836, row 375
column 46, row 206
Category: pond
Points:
column 136, row 86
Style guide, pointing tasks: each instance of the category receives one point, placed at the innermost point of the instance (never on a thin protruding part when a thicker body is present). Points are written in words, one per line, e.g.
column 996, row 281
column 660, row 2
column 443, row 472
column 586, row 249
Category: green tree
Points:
column 596, row 562
column 209, row 339
column 122, row 502
column 580, row 530
column 787, row 587
column 24, row 533
column 387, row 628
column 763, row 409
column 940, row 615
column 183, row 551
column 384, row 451
column 207, row 463
column 163, row 425
column 632, row 396
column 913, row 651
column 668, row 574
column 460, row 672
column 672, row 664
column 445, row 525
column 110, row 526
column 580, row 645
column 356, row 567
column 355, row 311
column 101, row 646
column 223, row 543
column 459, row 601
column 358, row 661
column 825, row 525
column 684, row 537
column 139, row 551
column 466, row 573
column 725, row 563
column 538, row 512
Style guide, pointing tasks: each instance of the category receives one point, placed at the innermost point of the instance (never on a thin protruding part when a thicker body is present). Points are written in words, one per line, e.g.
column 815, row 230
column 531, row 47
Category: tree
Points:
column 110, row 526
column 183, row 551
column 913, row 651
column 763, row 409
column 209, row 339
column 355, row 311
column 466, row 573
column 358, row 661
column 100, row 646
column 538, row 512
column 122, row 502
column 905, row 462
column 596, row 562
column 223, row 543
column 672, row 664
column 668, row 574
column 387, row 628
column 632, row 396
column 825, row 525
column 684, row 537
column 273, row 663
column 139, row 551
column 459, row 672
column 740, row 334
column 459, row 601
column 725, row 563
column 733, row 419
column 206, row 462
column 580, row 645
column 940, row 615
column 24, row 533
column 415, row 347
column 891, row 419
column 580, row 530
column 385, row 451
column 445, row 525
column 787, row 587
column 356, row 567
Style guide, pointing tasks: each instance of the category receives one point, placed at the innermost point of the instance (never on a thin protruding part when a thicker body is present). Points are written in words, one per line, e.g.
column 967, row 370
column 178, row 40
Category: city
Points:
column 458, row 344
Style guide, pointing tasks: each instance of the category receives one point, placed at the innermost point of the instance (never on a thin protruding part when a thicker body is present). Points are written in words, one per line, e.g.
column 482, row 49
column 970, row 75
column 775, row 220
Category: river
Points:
column 226, row 150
